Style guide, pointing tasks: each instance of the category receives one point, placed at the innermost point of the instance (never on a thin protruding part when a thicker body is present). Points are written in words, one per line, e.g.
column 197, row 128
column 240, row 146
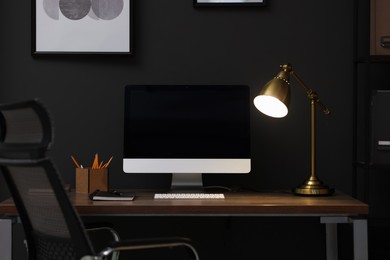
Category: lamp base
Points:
column 313, row 187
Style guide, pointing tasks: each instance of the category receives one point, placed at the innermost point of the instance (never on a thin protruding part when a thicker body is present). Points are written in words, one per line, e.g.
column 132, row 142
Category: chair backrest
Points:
column 25, row 130
column 53, row 228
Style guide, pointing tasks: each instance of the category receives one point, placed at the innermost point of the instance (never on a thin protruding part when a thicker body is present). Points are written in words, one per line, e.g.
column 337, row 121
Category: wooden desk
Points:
column 332, row 210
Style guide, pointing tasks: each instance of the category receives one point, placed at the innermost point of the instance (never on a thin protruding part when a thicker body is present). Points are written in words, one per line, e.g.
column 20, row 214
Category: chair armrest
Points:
column 140, row 244
column 113, row 232
column 99, row 231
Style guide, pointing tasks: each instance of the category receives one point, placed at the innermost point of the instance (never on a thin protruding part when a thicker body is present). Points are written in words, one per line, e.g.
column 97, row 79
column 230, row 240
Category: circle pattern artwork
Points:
column 75, row 9
column 107, row 9
column 51, row 8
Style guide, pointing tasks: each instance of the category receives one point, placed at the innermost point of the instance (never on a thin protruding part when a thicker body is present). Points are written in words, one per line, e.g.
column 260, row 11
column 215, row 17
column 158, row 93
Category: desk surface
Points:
column 239, row 203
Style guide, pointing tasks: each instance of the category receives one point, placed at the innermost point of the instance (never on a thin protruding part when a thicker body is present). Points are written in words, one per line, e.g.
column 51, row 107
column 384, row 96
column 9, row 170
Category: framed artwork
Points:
column 82, row 27
column 229, row 2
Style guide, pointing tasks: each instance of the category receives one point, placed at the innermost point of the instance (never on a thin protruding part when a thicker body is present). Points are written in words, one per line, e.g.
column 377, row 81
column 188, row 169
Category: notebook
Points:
column 112, row 195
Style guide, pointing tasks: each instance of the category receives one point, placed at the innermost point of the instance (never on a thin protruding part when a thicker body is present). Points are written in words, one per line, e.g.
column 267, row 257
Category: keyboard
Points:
column 188, row 196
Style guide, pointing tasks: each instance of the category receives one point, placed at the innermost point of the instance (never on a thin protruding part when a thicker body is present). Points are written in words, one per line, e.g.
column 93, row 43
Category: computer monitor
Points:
column 187, row 130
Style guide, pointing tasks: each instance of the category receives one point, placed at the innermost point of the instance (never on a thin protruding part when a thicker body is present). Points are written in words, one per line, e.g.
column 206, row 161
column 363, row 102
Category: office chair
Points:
column 52, row 227
column 25, row 130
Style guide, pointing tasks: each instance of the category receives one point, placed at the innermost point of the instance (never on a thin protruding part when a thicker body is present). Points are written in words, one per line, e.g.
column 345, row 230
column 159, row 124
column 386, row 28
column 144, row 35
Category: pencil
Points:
column 75, row 162
column 95, row 162
column 109, row 161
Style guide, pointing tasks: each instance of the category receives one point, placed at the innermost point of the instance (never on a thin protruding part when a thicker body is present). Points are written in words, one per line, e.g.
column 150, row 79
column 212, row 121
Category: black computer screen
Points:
column 187, row 121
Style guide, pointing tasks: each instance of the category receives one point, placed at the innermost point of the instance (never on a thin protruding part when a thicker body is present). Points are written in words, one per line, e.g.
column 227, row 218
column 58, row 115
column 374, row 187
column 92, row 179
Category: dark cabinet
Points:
column 372, row 121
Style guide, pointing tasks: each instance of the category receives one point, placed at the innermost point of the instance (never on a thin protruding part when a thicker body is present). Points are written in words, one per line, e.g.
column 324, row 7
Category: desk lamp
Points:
column 273, row 100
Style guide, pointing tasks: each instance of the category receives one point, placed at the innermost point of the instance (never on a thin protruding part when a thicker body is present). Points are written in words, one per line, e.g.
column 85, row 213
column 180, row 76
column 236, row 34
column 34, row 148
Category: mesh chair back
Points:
column 25, row 130
column 53, row 229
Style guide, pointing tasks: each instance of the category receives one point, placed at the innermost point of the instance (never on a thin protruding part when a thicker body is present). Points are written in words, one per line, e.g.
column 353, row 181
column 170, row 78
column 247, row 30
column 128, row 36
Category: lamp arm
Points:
column 311, row 94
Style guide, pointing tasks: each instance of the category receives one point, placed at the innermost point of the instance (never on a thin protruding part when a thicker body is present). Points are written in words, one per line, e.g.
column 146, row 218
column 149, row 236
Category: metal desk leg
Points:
column 331, row 241
column 6, row 239
column 360, row 239
column 331, row 235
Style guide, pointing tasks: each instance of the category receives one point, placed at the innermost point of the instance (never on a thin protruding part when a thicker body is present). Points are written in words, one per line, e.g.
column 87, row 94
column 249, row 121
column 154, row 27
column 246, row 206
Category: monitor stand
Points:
column 187, row 181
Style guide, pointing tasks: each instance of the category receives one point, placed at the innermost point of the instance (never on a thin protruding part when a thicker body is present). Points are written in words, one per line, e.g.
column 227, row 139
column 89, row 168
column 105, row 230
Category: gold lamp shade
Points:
column 274, row 98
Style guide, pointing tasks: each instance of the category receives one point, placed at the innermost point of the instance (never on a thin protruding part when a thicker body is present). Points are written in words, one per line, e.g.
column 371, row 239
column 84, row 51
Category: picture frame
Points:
column 229, row 2
column 82, row 27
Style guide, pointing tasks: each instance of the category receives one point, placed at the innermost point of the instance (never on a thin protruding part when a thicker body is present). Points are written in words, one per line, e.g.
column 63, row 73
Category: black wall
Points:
column 176, row 43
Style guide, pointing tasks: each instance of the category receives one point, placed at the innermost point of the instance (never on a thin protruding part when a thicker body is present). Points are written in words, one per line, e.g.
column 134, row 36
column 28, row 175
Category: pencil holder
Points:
column 98, row 179
column 88, row 180
column 82, row 180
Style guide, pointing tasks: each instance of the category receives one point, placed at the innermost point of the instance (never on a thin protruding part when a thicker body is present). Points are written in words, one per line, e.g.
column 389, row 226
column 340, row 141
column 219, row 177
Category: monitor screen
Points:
column 186, row 129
